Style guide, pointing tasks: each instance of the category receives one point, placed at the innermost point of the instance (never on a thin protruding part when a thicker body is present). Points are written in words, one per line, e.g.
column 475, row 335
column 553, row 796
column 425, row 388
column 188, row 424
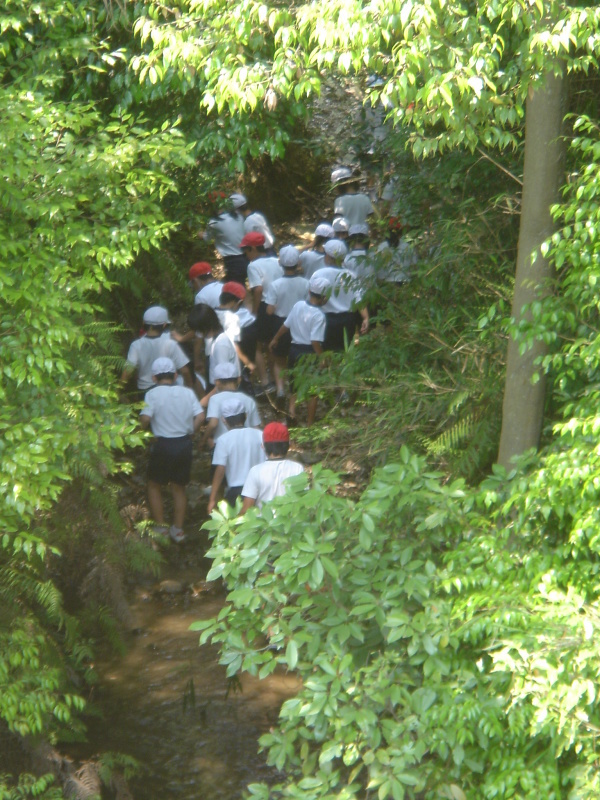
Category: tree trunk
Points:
column 523, row 406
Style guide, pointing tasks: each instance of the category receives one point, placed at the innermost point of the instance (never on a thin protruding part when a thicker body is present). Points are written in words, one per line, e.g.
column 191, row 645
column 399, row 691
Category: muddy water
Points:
column 166, row 703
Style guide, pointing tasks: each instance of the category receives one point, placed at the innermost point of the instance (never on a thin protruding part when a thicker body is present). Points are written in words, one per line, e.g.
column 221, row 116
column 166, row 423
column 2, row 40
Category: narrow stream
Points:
column 166, row 702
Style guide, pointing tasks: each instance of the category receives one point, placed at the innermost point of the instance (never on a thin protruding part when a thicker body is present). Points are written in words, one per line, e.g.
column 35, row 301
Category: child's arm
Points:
column 365, row 319
column 208, row 433
column 270, row 309
column 243, row 357
column 248, row 503
column 206, row 398
column 198, row 420
column 182, row 337
column 144, row 421
column 317, row 347
column 277, row 337
column 256, row 298
column 128, row 371
column 187, row 376
column 216, row 485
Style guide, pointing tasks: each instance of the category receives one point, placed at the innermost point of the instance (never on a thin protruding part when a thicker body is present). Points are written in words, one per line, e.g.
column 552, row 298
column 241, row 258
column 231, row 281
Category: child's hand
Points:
column 211, row 505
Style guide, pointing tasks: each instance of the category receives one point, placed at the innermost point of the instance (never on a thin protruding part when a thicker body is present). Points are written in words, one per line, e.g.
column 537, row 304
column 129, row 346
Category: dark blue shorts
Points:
column 340, row 330
column 171, row 460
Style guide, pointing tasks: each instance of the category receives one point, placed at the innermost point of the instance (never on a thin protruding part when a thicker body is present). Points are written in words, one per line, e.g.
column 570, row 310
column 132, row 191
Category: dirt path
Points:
column 166, row 702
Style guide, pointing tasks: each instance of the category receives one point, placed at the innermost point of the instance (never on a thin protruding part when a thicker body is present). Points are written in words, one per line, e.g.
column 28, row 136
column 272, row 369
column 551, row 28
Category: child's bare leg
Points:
column 179, row 504
column 311, row 406
column 292, row 406
column 261, row 365
column 279, row 364
column 155, row 502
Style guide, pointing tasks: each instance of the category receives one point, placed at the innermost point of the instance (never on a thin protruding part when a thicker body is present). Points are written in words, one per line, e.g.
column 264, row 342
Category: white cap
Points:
column 156, row 315
column 162, row 365
column 325, row 230
column 318, row 285
column 288, row 256
column 340, row 225
column 232, row 407
column 238, row 200
column 360, row 229
column 336, row 249
column 225, row 371
column 341, row 174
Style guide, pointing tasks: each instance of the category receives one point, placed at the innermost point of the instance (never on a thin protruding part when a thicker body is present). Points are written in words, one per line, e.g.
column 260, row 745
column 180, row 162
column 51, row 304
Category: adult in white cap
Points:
column 345, row 301
column 306, row 326
column 282, row 295
column 154, row 343
column 357, row 260
column 313, row 258
column 254, row 221
column 236, row 452
column 226, row 230
column 350, row 203
column 174, row 414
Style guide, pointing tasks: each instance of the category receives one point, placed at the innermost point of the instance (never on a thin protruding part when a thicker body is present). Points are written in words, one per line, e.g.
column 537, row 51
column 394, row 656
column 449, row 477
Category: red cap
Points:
column 276, row 432
column 200, row 268
column 236, row 289
column 253, row 239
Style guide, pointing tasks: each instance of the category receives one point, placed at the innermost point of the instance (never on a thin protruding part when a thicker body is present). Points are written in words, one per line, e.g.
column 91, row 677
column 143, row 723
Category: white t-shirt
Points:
column 395, row 262
column 255, row 222
column 355, row 207
column 310, row 261
column 222, row 351
column 227, row 231
column 145, row 350
column 266, row 481
column 234, row 321
column 285, row 292
column 214, row 410
column 306, row 323
column 210, row 294
column 171, row 410
column 263, row 271
column 359, row 263
column 238, row 450
column 345, row 294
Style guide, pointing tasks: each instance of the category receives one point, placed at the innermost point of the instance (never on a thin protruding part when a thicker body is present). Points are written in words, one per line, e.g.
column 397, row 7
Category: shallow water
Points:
column 165, row 703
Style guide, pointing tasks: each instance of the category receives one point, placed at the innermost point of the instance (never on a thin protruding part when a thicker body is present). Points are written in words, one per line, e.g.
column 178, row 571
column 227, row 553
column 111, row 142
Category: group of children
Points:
column 252, row 462
column 299, row 302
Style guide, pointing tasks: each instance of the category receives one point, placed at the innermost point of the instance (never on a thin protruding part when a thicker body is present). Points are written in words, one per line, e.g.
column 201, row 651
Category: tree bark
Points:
column 523, row 406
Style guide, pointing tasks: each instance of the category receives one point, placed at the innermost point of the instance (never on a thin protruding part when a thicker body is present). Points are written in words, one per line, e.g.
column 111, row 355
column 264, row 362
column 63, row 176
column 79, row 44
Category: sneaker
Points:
column 159, row 530
column 176, row 534
column 206, row 490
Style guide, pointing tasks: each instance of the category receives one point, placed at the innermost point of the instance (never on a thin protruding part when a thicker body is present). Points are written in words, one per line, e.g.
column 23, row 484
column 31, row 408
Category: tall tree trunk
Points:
column 523, row 406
